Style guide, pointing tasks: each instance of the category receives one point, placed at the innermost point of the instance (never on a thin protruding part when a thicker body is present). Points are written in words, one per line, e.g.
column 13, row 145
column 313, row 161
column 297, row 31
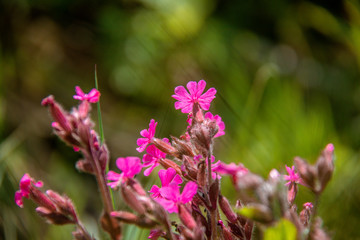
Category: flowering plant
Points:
column 190, row 180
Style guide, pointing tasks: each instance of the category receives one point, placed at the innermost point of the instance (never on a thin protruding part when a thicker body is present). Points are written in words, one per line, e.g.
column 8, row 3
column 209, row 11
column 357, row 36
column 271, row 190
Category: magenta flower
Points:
column 148, row 135
column 292, row 177
column 186, row 101
column 219, row 123
column 172, row 197
column 25, row 184
column 229, row 169
column 308, row 206
column 151, row 159
column 167, row 177
column 93, row 96
column 130, row 166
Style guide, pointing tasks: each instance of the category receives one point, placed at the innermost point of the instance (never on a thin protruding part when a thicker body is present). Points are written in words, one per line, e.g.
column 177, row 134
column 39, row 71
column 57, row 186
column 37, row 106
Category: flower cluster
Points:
column 190, row 179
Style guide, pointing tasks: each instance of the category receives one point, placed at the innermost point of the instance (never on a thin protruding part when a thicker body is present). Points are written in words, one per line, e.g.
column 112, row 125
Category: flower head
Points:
column 172, row 197
column 148, row 135
column 93, row 96
column 308, row 206
column 167, row 177
column 230, row 169
column 25, row 184
column 130, row 166
column 152, row 157
column 292, row 177
column 186, row 99
column 219, row 123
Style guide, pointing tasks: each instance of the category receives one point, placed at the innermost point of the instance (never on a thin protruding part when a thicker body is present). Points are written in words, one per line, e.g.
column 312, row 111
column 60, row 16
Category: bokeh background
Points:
column 286, row 71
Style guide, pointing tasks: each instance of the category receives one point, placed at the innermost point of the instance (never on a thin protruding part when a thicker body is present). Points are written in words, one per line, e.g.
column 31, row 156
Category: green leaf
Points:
column 283, row 230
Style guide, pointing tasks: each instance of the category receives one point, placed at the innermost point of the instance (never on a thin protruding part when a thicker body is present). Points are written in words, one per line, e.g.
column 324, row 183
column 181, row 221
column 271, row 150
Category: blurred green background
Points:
column 286, row 71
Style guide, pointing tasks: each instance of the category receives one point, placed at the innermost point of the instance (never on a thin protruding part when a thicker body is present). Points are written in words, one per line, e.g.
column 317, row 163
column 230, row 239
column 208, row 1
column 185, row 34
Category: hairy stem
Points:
column 105, row 194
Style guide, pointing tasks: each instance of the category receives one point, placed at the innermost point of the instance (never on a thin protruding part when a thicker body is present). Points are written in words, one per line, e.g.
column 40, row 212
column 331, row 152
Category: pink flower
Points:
column 130, row 166
column 230, row 169
column 292, row 177
column 186, row 101
column 148, row 135
column 308, row 206
column 167, row 177
column 172, row 196
column 151, row 159
column 25, row 184
column 93, row 96
column 219, row 123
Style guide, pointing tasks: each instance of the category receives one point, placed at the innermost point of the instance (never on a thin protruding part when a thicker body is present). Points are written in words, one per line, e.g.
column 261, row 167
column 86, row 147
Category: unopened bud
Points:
column 41, row 199
column 201, row 135
column 306, row 213
column 104, row 157
column 131, row 199
column 131, row 218
column 201, row 174
column 167, row 163
column 306, row 171
column 226, row 232
column 84, row 133
column 189, row 168
column 53, row 216
column 183, row 147
column 84, row 109
column 325, row 165
column 136, row 186
column 227, row 210
column 214, row 193
column 58, row 114
column 292, row 191
column 63, row 203
column 165, row 147
column 84, row 166
column 186, row 217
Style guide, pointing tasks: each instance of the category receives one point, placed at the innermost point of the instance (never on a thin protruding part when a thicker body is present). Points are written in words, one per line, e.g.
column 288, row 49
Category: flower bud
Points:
column 201, row 174
column 189, row 168
column 131, row 218
column 226, row 232
column 325, row 165
column 53, row 216
column 227, row 210
column 186, row 217
column 41, row 199
column 306, row 171
column 165, row 147
column 63, row 203
column 58, row 114
column 131, row 199
column 292, row 191
column 167, row 163
column 136, row 186
column 201, row 135
column 84, row 166
column 182, row 147
column 214, row 193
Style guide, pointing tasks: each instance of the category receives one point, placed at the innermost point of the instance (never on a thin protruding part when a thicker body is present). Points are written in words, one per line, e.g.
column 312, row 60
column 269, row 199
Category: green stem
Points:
column 101, row 131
